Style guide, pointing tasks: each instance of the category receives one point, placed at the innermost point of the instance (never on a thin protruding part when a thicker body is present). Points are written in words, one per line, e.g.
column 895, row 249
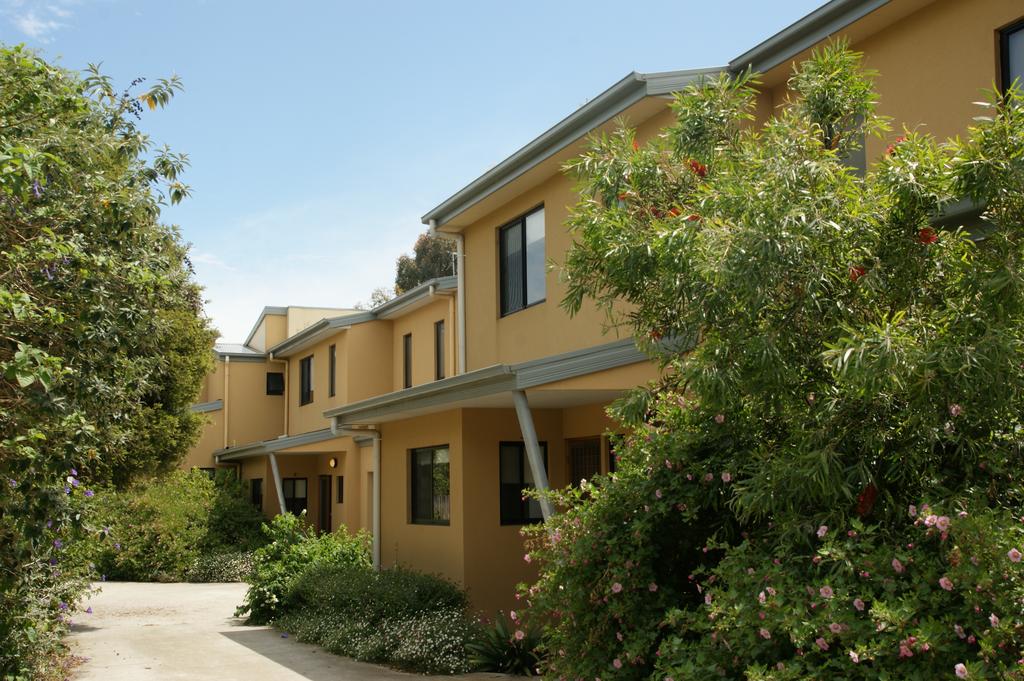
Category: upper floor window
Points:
column 439, row 350
column 275, row 383
column 521, row 262
column 515, row 476
column 332, row 365
column 431, row 490
column 306, row 380
column 407, row 360
column 1011, row 54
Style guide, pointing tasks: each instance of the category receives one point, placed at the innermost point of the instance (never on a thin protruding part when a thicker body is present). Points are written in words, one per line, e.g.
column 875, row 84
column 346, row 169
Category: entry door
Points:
column 325, row 503
column 584, row 458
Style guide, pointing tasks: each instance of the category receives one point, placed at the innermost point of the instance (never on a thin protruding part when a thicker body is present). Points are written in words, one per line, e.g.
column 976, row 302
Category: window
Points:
column 1011, row 54
column 613, row 458
column 516, row 476
column 431, row 494
column 275, row 383
column 521, row 259
column 584, row 459
column 439, row 350
column 256, row 492
column 306, row 380
column 294, row 495
column 332, row 365
column 211, row 473
column 341, row 489
column 407, row 360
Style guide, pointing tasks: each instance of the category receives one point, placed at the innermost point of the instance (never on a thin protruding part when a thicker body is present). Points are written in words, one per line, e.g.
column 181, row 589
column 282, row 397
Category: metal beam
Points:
column 376, row 499
column 533, row 453
column 277, row 482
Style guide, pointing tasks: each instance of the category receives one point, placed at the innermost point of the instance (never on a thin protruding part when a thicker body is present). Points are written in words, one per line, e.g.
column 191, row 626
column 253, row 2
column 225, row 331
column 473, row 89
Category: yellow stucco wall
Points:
column 429, row 548
column 545, row 328
column 420, row 323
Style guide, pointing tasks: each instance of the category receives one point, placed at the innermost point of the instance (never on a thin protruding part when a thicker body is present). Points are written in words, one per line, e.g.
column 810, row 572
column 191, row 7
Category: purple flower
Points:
column 74, row 472
column 103, row 578
column 89, row 493
column 89, row 610
column 37, row 188
column 13, row 483
column 57, row 544
column 67, row 490
column 62, row 605
column 117, row 546
column 49, row 524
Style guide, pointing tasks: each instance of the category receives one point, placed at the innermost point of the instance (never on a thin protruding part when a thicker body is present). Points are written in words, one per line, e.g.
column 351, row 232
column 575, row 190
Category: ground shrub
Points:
column 184, row 526
column 398, row 617
column 293, row 548
column 506, row 646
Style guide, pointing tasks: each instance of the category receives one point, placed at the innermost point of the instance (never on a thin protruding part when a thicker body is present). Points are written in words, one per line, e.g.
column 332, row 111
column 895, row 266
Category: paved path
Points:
column 167, row 632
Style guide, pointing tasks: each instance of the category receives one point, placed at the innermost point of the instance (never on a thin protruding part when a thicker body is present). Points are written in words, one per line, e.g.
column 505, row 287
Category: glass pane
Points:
column 1015, row 58
column 300, row 488
column 533, row 511
column 512, row 268
column 421, row 484
column 288, row 487
column 442, row 495
column 535, row 257
column 528, row 471
column 510, row 462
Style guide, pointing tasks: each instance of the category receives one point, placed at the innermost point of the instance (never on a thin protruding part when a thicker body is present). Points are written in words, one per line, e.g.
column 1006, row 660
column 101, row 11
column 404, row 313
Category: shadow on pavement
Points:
column 309, row 661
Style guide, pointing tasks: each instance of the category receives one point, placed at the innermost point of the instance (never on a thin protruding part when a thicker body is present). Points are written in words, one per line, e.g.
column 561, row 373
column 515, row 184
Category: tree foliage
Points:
column 826, row 482
column 102, row 338
column 432, row 258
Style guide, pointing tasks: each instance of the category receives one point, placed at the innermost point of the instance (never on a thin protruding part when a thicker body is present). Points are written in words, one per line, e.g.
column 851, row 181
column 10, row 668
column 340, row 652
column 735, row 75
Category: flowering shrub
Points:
column 294, row 548
column 826, row 481
column 507, row 646
column 396, row 617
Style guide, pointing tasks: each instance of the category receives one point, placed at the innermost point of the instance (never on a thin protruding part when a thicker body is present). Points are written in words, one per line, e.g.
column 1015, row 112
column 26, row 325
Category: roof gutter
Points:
column 815, row 27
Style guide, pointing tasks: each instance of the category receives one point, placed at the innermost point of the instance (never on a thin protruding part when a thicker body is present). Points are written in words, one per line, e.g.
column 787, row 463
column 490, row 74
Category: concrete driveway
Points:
column 165, row 632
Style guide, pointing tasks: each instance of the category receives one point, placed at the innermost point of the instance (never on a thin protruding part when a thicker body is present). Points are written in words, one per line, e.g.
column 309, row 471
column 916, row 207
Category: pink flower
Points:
column 858, row 604
column 764, row 633
column 1014, row 555
column 761, row 598
column 912, row 510
column 770, row 591
column 942, row 522
column 905, row 651
column 930, row 520
column 960, row 670
column 821, row 643
column 946, row 583
column 512, row 614
column 657, row 493
column 726, row 476
column 822, row 531
column 959, row 631
column 616, row 588
column 719, row 418
column 955, row 410
column 527, row 558
column 617, row 663
column 993, row 620
column 707, row 598
column 897, row 566
column 520, row 635
column 826, row 592
column 854, row 657
column 652, row 587
column 836, row 628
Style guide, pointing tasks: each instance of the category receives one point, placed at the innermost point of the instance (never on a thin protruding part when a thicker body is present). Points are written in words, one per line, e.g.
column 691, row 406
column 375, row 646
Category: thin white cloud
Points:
column 37, row 20
column 209, row 259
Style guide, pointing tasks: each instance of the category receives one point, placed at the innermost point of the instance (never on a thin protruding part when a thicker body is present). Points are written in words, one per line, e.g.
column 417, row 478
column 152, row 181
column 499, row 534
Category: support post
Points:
column 277, row 482
column 376, row 500
column 533, row 453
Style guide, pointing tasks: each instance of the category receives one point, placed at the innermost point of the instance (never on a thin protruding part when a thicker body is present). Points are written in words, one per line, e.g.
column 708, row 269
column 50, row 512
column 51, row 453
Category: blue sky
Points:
column 320, row 132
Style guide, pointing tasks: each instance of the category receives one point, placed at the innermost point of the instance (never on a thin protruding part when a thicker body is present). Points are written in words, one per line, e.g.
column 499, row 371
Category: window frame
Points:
column 284, row 486
column 413, row 520
column 256, row 492
column 407, row 360
column 1004, row 53
column 520, row 222
column 439, row 363
column 524, row 517
column 306, row 380
column 278, row 376
column 332, row 367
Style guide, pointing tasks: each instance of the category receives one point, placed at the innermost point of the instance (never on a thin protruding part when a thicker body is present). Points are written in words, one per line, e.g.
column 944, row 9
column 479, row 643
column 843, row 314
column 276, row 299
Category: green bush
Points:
column 170, row 529
column 507, row 646
column 293, row 548
column 397, row 617
column 834, row 362
column 225, row 566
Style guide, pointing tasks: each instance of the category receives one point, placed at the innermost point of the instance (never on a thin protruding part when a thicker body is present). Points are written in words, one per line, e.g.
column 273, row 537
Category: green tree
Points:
column 103, row 342
column 432, row 257
column 825, row 482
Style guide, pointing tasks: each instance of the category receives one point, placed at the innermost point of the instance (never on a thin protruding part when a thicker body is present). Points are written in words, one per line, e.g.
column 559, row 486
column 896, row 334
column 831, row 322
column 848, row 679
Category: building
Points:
column 425, row 418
